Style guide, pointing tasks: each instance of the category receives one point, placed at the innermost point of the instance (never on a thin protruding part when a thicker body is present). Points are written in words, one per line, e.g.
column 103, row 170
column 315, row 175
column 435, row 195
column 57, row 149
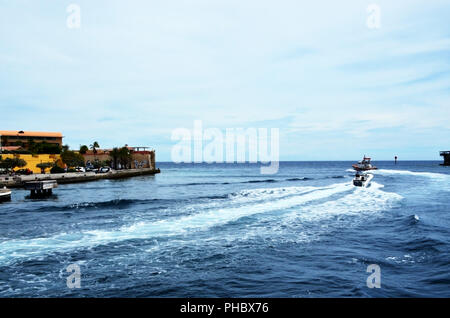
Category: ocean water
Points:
column 222, row 230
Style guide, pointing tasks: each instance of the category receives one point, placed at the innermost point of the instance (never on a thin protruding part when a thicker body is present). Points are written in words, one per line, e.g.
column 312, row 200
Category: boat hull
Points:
column 5, row 196
column 358, row 182
column 358, row 168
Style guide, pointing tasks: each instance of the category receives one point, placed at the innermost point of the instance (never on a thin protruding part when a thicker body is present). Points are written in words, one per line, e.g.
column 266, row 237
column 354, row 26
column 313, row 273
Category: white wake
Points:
column 13, row 249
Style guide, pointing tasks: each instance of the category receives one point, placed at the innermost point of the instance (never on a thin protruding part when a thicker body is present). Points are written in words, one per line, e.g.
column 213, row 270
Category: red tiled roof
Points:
column 13, row 133
column 11, row 148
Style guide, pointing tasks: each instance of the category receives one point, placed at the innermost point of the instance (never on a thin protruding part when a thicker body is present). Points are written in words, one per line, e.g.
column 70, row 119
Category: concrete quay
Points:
column 74, row 177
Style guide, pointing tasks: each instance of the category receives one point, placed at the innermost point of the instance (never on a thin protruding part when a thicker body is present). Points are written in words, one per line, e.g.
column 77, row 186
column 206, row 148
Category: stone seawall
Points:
column 74, row 177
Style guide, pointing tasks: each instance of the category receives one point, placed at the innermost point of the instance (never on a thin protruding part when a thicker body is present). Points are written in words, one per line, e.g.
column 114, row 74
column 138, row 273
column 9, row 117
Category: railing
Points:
column 445, row 153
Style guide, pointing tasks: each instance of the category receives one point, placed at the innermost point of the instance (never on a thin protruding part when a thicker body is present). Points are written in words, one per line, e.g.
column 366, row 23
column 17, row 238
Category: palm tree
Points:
column 114, row 154
column 94, row 147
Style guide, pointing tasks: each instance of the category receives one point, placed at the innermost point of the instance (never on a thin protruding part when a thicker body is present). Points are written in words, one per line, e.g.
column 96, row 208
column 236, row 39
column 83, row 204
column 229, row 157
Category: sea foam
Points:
column 13, row 249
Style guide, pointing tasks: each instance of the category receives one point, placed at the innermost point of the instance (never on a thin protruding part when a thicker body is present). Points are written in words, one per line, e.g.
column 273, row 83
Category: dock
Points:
column 73, row 177
column 446, row 155
column 42, row 188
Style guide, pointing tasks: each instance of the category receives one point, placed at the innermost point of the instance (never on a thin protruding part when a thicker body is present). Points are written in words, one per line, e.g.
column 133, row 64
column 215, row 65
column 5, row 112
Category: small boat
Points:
column 5, row 194
column 364, row 165
column 362, row 179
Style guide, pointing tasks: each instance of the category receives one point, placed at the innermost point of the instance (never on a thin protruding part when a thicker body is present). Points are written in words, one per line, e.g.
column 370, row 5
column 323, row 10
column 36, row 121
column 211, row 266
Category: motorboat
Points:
column 362, row 179
column 364, row 165
column 5, row 194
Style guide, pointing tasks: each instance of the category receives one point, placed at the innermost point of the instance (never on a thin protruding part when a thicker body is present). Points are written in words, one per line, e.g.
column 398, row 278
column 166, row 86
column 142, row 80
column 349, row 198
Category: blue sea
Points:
column 225, row 230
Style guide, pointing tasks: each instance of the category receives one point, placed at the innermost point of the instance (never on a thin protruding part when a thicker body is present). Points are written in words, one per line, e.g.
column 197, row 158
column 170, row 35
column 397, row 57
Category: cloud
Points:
column 134, row 72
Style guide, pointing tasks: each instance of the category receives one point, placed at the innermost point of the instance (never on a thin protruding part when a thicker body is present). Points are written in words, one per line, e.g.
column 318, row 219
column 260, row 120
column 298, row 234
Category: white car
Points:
column 104, row 169
column 80, row 169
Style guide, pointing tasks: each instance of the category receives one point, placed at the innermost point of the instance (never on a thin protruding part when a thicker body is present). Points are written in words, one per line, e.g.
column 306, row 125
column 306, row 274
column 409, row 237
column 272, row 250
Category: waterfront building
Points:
column 141, row 157
column 20, row 138
column 17, row 144
column 33, row 160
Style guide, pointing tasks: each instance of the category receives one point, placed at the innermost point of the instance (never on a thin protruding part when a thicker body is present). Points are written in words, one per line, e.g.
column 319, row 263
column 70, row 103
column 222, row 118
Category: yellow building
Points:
column 33, row 160
column 14, row 140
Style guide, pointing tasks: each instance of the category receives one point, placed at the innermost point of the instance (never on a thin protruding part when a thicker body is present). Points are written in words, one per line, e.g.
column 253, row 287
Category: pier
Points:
column 42, row 188
column 446, row 155
column 73, row 177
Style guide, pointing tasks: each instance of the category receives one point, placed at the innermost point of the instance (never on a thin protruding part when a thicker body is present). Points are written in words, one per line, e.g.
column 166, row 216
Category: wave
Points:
column 268, row 194
column 259, row 181
column 14, row 249
column 215, row 197
column 256, row 194
column 412, row 219
column 115, row 204
column 281, row 180
column 198, row 183
column 407, row 173
column 251, row 181
column 411, row 173
column 361, row 200
column 307, row 223
column 299, row 179
column 219, row 183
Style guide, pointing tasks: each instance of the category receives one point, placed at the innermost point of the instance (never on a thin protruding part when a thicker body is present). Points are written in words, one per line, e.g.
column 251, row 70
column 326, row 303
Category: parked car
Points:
column 80, row 169
column 104, row 170
column 24, row 171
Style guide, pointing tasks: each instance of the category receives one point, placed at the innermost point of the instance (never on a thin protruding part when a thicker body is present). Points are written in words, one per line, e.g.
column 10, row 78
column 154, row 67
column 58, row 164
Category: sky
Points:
column 135, row 71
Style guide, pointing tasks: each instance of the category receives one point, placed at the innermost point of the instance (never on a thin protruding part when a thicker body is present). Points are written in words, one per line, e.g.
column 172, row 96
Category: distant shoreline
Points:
column 391, row 160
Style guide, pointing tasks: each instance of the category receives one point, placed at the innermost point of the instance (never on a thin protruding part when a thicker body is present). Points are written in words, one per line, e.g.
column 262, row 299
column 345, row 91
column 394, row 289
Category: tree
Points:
column 124, row 157
column 72, row 158
column 97, row 164
column 114, row 154
column 44, row 165
column 83, row 149
column 12, row 163
column 94, row 147
column 56, row 169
